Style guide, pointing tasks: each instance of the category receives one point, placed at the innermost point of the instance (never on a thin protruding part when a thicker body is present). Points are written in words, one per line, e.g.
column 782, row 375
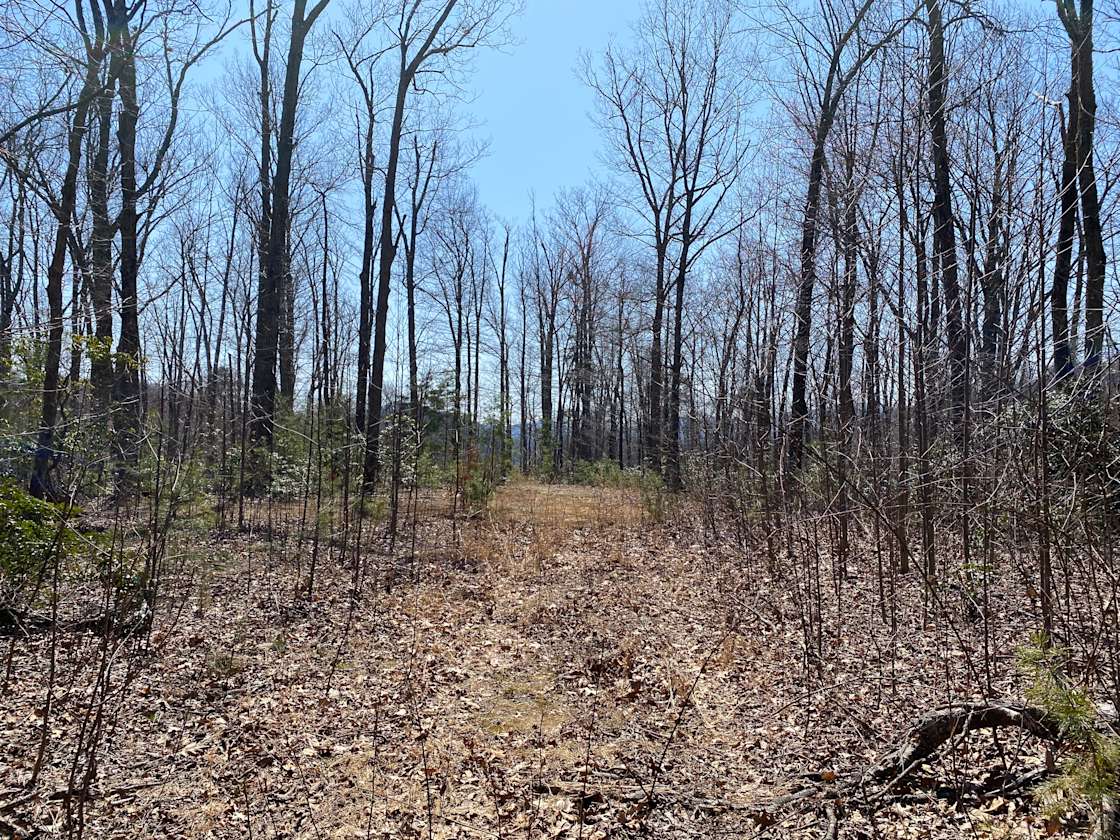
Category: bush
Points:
column 432, row 473
column 1084, row 445
column 31, row 531
column 477, row 490
column 399, row 450
column 601, row 473
column 1090, row 777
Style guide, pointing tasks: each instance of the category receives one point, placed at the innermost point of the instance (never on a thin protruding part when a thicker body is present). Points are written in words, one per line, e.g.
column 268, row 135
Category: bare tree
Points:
column 266, row 347
column 426, row 35
column 851, row 42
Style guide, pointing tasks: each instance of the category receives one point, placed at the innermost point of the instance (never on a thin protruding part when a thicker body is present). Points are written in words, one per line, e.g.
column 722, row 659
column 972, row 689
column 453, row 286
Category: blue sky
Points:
column 533, row 107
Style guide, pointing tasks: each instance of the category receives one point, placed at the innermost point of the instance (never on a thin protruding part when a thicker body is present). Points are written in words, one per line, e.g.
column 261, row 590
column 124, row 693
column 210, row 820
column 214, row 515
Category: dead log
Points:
column 938, row 727
column 830, row 797
column 25, row 624
column 14, row 622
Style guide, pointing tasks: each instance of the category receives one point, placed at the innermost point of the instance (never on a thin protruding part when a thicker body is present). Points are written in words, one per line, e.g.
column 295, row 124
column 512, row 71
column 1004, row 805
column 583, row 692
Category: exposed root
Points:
column 936, row 728
column 876, row 784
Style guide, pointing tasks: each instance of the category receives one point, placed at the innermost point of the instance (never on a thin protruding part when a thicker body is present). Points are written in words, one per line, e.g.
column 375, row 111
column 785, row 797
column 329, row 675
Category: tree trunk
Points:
column 269, row 297
column 39, row 484
column 385, row 271
column 101, row 255
column 1080, row 30
column 944, row 235
column 126, row 387
column 365, row 305
column 654, row 406
column 673, row 431
column 799, row 406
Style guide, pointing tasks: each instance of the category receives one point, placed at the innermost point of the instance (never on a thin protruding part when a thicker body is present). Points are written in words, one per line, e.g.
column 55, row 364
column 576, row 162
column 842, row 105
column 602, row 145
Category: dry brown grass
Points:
column 529, row 522
column 565, row 506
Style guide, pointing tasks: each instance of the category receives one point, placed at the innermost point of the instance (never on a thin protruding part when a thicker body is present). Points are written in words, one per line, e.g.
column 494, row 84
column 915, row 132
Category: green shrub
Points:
column 477, row 491
column 1090, row 777
column 31, row 531
column 653, row 495
column 602, row 473
column 432, row 473
column 376, row 507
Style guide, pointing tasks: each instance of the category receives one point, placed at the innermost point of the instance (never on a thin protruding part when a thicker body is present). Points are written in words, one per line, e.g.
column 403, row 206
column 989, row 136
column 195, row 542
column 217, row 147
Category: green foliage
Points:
column 97, row 349
column 30, row 532
column 399, row 449
column 1092, row 772
column 1084, row 444
column 478, row 488
column 603, row 473
column 29, row 356
column 14, row 454
column 653, row 494
column 187, row 479
column 431, row 472
column 21, row 403
column 279, row 471
column 288, row 477
column 376, row 507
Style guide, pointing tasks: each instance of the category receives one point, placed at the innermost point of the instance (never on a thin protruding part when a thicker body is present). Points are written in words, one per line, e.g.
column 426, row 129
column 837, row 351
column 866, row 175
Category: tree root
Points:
column 936, row 728
column 829, row 796
column 877, row 783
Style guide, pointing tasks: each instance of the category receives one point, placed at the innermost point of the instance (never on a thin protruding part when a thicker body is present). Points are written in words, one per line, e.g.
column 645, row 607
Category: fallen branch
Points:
column 15, row 623
column 822, row 792
column 941, row 725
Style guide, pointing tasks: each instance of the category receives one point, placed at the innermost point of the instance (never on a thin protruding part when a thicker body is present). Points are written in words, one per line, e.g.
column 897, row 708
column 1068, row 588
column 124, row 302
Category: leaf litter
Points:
column 585, row 675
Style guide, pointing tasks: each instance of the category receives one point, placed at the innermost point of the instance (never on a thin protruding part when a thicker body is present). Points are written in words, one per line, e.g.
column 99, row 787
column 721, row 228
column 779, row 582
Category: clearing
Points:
column 559, row 667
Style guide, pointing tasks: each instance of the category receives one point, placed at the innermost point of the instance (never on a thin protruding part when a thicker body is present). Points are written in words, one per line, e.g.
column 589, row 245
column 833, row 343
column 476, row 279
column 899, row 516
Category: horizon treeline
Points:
column 846, row 237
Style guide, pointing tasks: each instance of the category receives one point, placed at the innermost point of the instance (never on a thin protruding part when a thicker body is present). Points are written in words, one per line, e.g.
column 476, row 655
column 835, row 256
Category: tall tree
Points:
column 62, row 208
column 362, row 69
column 269, row 311
column 423, row 32
column 634, row 111
column 126, row 30
column 1078, row 24
column 846, row 38
column 944, row 233
column 706, row 141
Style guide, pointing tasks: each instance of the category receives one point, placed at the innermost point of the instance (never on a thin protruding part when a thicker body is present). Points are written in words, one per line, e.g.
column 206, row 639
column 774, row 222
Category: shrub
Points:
column 602, row 473
column 1090, row 777
column 399, row 450
column 432, row 473
column 31, row 531
column 653, row 494
column 1083, row 445
column 477, row 490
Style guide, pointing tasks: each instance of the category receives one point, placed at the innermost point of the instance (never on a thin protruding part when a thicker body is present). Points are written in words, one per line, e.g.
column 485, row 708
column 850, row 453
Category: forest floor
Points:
column 558, row 668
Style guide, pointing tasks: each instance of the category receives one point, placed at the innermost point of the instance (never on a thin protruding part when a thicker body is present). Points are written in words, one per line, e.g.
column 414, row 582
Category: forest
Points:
column 764, row 484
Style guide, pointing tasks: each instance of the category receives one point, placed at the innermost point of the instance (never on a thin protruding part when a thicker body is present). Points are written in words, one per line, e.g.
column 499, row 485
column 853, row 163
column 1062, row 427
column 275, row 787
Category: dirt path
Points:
column 556, row 663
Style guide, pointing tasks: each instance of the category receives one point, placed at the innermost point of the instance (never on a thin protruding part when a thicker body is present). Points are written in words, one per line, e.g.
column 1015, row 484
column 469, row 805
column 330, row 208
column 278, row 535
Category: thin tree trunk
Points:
column 39, row 485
